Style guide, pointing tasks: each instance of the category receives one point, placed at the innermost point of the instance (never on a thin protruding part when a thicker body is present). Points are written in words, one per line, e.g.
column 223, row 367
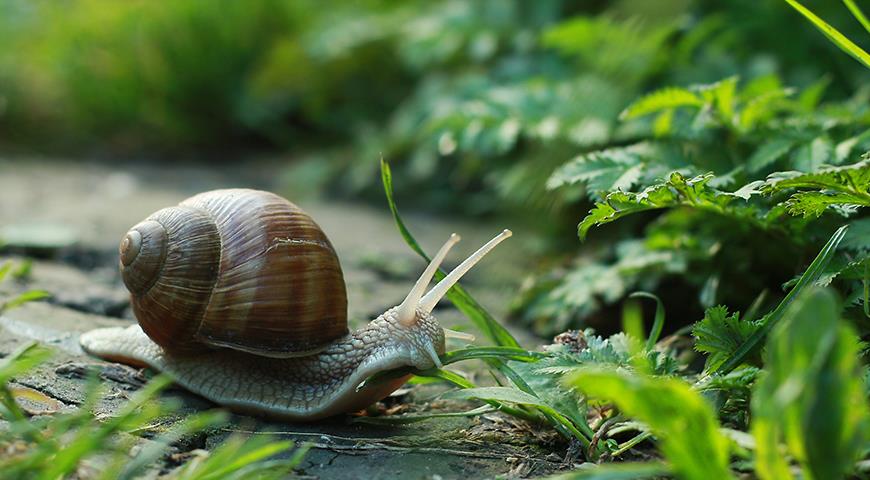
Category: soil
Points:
column 70, row 215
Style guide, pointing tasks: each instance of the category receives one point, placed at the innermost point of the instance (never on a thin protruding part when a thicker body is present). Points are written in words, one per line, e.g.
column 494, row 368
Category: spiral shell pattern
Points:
column 242, row 269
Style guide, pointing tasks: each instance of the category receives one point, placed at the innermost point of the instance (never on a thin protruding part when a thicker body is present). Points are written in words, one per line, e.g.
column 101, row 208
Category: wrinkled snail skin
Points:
column 294, row 389
column 239, row 297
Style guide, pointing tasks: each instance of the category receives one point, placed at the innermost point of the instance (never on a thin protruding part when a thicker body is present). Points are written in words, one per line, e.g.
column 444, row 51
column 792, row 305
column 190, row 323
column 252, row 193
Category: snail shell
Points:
column 243, row 269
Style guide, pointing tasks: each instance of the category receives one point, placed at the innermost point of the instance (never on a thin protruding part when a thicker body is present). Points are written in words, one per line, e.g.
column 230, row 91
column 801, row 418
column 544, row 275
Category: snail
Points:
column 239, row 297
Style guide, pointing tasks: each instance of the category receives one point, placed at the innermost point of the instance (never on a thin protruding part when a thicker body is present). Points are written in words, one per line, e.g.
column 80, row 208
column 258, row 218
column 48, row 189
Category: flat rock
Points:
column 98, row 291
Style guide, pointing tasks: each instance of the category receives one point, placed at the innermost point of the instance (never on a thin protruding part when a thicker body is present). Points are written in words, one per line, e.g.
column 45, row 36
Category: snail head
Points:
column 414, row 314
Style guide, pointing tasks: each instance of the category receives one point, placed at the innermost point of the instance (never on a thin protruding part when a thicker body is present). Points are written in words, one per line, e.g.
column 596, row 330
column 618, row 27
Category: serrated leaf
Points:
column 762, row 107
column 677, row 191
column 748, row 190
column 720, row 335
column 605, row 170
column 813, row 204
column 832, row 186
column 854, row 177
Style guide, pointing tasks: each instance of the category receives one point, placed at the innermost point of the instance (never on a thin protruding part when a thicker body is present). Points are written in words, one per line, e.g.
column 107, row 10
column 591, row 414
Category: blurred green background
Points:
column 474, row 103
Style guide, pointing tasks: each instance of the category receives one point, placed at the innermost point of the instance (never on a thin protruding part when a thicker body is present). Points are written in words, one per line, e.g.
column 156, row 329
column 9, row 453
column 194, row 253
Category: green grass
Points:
column 63, row 444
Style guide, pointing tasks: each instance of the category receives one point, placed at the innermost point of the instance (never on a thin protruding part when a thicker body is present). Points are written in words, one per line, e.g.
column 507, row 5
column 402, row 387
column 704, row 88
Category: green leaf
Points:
column 720, row 335
column 761, row 108
column 814, row 155
column 460, row 298
column 769, row 153
column 547, row 387
column 154, row 450
column 812, row 395
column 722, row 94
column 501, row 394
column 677, row 191
column 857, row 237
column 681, row 419
column 664, row 99
column 616, row 471
column 240, row 458
column 604, row 170
column 831, row 186
column 814, row 204
column 833, row 34
column 503, row 353
column 808, row 279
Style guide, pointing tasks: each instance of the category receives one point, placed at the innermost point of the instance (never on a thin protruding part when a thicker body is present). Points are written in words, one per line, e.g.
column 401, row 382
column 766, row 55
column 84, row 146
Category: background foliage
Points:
column 714, row 153
column 526, row 109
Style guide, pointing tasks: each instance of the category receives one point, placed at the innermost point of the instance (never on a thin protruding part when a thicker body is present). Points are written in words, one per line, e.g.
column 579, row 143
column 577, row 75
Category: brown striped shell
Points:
column 242, row 269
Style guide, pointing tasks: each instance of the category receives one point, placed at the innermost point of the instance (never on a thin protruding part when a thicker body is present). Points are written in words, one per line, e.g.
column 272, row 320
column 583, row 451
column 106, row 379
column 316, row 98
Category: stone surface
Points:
column 99, row 202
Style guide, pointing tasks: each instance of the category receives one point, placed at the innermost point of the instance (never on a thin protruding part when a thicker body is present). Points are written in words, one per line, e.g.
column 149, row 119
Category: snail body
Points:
column 240, row 298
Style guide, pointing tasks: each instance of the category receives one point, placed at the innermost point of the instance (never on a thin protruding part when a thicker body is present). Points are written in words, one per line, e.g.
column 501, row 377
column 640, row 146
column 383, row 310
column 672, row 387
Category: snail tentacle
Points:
column 428, row 302
column 407, row 310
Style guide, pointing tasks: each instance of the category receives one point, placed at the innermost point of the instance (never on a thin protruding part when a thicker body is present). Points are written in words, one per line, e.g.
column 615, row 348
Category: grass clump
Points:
column 61, row 444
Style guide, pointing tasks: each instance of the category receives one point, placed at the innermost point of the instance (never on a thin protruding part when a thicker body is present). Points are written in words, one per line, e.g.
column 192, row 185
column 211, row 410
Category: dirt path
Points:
column 74, row 214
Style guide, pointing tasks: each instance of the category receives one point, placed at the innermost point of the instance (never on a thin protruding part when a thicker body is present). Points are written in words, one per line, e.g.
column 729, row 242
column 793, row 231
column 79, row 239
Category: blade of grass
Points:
column 23, row 359
column 833, row 34
column 463, row 301
column 656, row 331
column 139, row 410
column 154, row 450
column 4, row 270
column 858, row 14
column 504, row 353
column 25, row 297
column 447, row 375
column 807, row 280
column 461, row 382
column 470, row 353
column 248, row 457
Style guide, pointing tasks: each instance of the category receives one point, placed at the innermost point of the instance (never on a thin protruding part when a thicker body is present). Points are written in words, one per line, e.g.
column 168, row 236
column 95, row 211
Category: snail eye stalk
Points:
column 407, row 311
column 428, row 302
